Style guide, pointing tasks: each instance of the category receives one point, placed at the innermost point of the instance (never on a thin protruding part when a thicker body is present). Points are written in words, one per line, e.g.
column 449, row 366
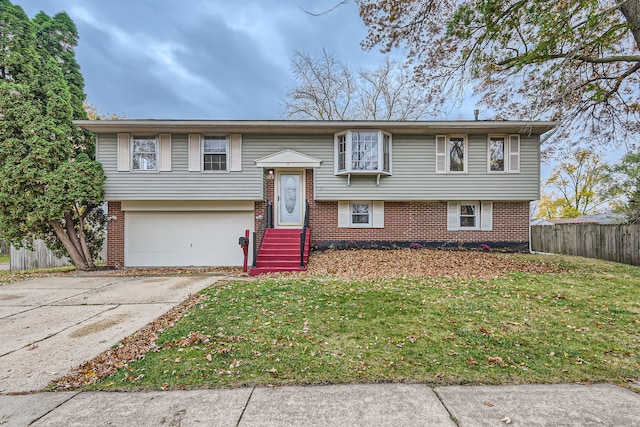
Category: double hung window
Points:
column 451, row 154
column 214, row 152
column 503, row 153
column 144, row 153
column 470, row 215
column 360, row 214
column 496, row 153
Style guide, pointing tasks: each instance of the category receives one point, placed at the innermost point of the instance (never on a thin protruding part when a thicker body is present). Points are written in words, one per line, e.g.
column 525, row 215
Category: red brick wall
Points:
column 411, row 221
column 261, row 207
column 422, row 221
column 115, row 235
column 418, row 221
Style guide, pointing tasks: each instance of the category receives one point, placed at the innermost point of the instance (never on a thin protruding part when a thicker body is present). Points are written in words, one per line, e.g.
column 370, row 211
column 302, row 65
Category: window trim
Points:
column 226, row 153
column 447, row 154
column 132, row 153
column 483, row 215
column 384, row 138
column 376, row 214
column 505, row 153
column 369, row 223
column 477, row 215
column 511, row 156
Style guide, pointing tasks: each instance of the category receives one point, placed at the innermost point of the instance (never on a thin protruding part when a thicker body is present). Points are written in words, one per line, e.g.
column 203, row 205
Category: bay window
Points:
column 363, row 152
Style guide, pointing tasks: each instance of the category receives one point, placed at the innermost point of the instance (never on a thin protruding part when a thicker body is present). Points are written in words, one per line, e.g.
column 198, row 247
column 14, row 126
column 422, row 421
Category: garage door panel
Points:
column 185, row 238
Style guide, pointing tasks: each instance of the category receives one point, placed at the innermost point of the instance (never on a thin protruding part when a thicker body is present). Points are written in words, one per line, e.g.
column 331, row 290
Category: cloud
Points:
column 201, row 59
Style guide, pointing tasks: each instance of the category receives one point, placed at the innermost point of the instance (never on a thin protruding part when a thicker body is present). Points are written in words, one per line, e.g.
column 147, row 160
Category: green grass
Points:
column 582, row 325
column 4, row 259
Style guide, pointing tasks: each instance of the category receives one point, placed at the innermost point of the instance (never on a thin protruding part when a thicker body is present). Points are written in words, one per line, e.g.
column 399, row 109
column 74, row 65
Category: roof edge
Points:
column 313, row 126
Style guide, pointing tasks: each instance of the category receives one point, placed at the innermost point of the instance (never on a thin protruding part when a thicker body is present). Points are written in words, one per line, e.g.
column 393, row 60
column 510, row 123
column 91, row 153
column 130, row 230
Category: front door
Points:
column 290, row 199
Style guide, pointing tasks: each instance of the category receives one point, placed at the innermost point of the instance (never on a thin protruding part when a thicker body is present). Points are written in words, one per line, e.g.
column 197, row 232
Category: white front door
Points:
column 290, row 199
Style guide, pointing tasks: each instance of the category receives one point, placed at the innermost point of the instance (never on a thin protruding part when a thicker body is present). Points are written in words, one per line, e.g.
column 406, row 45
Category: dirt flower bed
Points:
column 375, row 263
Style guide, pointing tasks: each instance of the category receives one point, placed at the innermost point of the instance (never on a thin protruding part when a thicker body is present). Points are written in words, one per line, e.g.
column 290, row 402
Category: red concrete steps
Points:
column 280, row 251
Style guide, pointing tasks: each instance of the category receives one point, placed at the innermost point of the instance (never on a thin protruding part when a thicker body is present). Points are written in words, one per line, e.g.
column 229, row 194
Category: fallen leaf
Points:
column 495, row 360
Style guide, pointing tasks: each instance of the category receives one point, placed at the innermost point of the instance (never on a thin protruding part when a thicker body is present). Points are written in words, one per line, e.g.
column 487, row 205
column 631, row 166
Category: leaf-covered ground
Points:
column 372, row 264
column 7, row 276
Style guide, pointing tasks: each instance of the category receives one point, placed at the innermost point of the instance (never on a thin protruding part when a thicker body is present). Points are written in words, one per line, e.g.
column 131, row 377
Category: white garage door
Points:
column 185, row 238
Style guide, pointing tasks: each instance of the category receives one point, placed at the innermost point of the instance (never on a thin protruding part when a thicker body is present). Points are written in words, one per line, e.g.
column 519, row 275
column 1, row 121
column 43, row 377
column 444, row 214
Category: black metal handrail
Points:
column 306, row 214
column 258, row 235
column 303, row 234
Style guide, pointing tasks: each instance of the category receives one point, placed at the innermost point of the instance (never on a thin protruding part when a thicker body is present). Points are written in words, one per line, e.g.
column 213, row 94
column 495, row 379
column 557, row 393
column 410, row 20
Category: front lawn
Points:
column 579, row 323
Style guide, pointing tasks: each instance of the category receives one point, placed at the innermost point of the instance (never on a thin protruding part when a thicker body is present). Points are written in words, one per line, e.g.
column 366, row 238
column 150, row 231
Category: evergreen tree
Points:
column 50, row 187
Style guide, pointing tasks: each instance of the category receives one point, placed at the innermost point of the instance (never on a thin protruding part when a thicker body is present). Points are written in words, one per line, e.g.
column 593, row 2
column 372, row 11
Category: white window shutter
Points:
column 378, row 214
column 453, row 217
column 441, row 153
column 486, row 216
column 124, row 152
column 514, row 153
column 165, row 152
column 344, row 210
column 194, row 153
column 235, row 143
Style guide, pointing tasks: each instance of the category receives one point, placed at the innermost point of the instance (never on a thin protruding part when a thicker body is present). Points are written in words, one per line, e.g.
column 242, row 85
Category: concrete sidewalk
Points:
column 339, row 405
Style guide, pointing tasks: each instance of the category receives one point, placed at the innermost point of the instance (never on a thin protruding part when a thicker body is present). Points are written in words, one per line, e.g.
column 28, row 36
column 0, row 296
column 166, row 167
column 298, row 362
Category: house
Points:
column 540, row 221
column 182, row 192
column 578, row 220
column 606, row 217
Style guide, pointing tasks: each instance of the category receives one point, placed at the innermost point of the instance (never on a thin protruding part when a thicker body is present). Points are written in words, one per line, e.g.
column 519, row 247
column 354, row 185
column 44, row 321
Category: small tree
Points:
column 575, row 186
column 327, row 89
column 50, row 186
column 625, row 183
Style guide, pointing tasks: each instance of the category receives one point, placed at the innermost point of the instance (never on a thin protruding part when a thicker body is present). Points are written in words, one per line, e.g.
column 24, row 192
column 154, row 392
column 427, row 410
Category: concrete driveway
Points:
column 51, row 325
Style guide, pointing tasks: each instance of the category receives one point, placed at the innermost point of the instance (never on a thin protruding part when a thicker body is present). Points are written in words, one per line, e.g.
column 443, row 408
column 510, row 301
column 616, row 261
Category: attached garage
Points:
column 208, row 236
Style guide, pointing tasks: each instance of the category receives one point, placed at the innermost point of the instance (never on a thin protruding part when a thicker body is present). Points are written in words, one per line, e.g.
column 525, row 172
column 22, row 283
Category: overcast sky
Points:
column 204, row 59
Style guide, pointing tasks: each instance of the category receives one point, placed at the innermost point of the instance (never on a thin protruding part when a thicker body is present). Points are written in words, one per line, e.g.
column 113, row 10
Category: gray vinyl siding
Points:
column 414, row 176
column 179, row 183
column 413, row 166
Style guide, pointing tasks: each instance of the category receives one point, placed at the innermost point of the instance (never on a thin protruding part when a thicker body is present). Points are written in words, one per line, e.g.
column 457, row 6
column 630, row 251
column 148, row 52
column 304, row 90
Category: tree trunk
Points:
column 631, row 11
column 76, row 242
column 76, row 256
column 83, row 241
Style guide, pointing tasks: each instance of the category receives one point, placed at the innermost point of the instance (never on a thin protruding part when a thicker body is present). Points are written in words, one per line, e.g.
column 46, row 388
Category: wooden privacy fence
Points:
column 613, row 242
column 42, row 257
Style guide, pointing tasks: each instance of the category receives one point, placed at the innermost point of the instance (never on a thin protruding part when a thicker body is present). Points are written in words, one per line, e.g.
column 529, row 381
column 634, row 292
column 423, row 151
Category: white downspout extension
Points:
column 531, row 251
